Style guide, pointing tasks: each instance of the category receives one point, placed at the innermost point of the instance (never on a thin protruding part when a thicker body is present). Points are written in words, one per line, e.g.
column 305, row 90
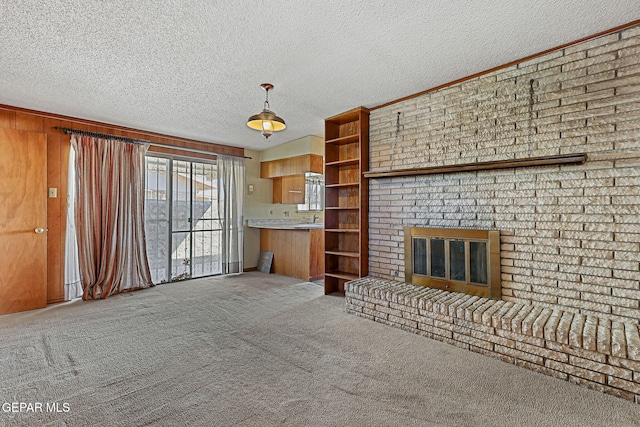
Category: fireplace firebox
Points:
column 458, row 260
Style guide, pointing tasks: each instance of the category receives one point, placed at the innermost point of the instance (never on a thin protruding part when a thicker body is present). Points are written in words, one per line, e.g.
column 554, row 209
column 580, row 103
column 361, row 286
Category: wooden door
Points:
column 23, row 220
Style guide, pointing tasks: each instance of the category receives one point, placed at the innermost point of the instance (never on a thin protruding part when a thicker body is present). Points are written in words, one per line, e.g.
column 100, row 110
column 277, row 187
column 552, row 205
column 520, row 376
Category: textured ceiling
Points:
column 193, row 68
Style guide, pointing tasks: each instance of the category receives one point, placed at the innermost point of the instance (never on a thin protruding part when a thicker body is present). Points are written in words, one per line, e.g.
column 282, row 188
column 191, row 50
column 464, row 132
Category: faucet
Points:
column 315, row 217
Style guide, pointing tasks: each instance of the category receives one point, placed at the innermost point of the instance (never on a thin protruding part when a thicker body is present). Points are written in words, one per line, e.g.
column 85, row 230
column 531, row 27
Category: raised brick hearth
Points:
column 589, row 350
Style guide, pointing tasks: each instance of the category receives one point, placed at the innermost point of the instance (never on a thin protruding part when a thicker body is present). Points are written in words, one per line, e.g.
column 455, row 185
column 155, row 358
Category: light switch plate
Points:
column 53, row 192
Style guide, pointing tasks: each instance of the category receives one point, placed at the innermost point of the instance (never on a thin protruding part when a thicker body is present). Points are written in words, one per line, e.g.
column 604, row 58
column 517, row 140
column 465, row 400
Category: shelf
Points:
column 336, row 294
column 352, row 115
column 343, row 253
column 339, row 208
column 341, row 275
column 342, row 230
column 343, row 162
column 344, row 140
column 343, row 184
column 566, row 159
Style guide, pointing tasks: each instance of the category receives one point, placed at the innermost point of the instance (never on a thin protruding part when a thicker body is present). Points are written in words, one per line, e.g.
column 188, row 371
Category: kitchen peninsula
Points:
column 297, row 247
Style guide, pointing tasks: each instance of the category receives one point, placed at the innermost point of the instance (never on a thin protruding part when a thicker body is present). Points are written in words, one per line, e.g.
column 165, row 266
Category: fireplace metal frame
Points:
column 492, row 289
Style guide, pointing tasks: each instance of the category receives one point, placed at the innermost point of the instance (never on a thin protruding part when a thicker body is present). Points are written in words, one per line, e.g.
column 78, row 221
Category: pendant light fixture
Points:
column 266, row 122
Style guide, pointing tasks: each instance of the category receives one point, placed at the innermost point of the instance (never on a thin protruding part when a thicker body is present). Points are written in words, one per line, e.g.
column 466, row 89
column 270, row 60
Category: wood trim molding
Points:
column 509, row 64
column 565, row 159
column 134, row 133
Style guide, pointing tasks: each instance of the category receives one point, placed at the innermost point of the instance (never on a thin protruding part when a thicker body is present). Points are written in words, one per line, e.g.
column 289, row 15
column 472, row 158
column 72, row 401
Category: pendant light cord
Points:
column 266, row 101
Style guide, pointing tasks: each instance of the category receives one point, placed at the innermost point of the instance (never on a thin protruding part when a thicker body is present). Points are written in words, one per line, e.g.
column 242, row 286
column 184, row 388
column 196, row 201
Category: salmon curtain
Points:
column 110, row 216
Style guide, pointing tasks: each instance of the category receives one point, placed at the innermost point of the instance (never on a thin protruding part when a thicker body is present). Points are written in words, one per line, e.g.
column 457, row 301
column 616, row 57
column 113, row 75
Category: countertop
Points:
column 282, row 224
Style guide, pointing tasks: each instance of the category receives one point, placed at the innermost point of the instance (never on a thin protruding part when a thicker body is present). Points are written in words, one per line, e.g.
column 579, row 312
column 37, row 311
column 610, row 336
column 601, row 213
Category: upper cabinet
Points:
column 297, row 165
column 289, row 189
column 288, row 176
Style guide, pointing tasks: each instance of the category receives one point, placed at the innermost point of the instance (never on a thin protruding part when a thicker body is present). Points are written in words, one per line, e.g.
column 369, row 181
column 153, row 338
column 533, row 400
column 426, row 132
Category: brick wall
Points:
column 570, row 235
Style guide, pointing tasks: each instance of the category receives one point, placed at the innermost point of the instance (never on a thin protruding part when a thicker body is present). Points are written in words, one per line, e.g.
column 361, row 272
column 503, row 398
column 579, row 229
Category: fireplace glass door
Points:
column 457, row 260
column 478, row 262
column 420, row 256
column 437, row 258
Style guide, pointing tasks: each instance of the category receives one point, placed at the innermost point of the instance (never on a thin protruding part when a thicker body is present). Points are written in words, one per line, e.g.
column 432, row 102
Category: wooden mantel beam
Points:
column 565, row 159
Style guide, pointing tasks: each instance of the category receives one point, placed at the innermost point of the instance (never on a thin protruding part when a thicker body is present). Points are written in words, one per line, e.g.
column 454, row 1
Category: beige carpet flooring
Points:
column 264, row 350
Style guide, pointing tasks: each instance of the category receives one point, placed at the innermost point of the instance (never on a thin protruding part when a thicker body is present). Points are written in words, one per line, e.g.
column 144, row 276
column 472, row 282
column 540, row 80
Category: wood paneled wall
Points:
column 58, row 145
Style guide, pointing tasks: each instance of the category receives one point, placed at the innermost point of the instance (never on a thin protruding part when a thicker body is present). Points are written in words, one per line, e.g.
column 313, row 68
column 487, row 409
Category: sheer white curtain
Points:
column 72, row 285
column 231, row 172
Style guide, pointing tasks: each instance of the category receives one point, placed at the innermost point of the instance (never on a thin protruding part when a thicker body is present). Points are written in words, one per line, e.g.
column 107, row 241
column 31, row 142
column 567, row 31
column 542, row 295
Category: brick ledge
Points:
column 583, row 349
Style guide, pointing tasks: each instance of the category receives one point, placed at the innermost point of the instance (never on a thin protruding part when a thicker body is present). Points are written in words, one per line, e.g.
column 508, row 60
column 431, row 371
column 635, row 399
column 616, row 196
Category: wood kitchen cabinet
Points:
column 296, row 252
column 297, row 165
column 289, row 189
column 288, row 176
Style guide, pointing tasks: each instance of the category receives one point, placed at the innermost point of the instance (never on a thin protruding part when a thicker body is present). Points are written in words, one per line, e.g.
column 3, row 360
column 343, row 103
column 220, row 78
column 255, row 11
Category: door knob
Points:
column 40, row 230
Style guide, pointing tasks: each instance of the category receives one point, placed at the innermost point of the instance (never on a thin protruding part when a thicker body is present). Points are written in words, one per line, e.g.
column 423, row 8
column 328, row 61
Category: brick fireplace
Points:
column 569, row 234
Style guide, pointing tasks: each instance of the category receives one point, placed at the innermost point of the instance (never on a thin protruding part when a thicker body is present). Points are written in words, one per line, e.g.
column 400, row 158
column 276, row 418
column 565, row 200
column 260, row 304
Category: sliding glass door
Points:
column 205, row 226
column 181, row 218
column 156, row 216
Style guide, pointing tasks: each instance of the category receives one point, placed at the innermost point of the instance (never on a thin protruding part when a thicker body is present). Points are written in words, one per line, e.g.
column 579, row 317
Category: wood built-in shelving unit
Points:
column 346, row 199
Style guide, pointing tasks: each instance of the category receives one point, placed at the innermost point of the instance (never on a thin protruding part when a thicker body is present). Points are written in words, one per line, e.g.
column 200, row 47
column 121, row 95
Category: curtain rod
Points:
column 142, row 141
